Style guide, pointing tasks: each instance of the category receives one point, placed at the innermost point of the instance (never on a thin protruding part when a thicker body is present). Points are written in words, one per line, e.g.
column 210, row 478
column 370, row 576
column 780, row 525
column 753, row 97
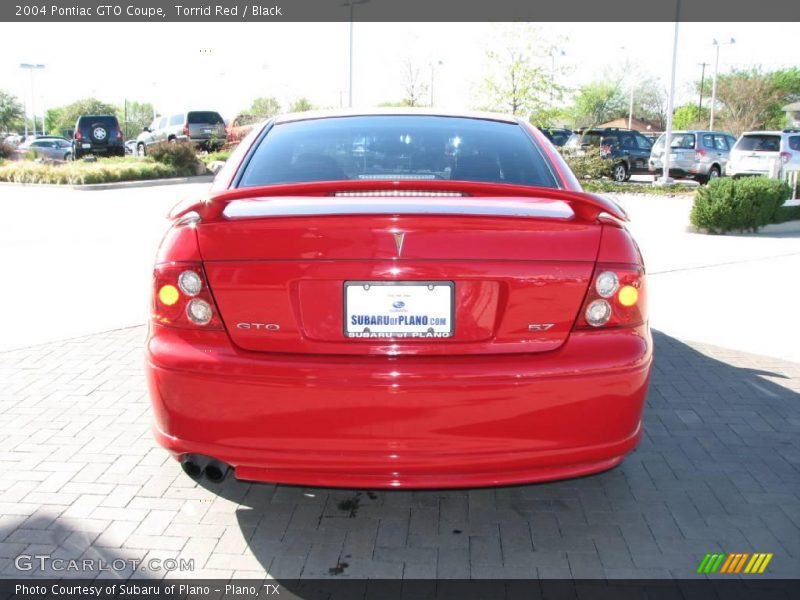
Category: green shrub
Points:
column 728, row 204
column 589, row 165
column 180, row 155
column 788, row 213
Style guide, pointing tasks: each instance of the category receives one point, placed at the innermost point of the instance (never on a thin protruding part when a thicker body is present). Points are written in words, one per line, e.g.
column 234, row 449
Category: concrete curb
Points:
column 91, row 187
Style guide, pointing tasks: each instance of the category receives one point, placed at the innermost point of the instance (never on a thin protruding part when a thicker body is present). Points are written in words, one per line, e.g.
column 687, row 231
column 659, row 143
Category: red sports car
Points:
column 398, row 300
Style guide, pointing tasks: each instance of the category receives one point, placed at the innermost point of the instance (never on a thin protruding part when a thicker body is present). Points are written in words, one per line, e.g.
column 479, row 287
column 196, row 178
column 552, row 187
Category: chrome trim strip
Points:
column 329, row 206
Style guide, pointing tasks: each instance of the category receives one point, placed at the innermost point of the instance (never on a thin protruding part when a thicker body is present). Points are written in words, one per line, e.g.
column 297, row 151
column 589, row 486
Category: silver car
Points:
column 52, row 148
column 694, row 154
column 765, row 153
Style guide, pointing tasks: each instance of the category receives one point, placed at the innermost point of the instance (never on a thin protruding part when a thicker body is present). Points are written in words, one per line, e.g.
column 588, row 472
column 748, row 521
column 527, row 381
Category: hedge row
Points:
column 79, row 172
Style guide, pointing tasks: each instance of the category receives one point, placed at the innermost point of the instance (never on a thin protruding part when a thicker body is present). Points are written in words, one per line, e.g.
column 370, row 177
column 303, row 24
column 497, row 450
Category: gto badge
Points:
column 540, row 326
column 267, row 326
column 399, row 236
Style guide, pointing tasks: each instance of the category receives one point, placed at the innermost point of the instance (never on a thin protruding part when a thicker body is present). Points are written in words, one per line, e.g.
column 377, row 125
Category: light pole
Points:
column 671, row 98
column 553, row 53
column 714, row 85
column 31, row 67
column 630, row 110
column 438, row 63
column 351, row 4
column 702, row 81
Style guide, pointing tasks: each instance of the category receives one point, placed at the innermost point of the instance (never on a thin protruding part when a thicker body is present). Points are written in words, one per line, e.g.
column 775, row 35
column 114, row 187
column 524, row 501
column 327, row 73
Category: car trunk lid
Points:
column 295, row 274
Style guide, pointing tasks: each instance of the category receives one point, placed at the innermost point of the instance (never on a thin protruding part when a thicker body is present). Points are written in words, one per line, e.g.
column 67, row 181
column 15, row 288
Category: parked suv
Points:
column 629, row 149
column 694, row 154
column 203, row 128
column 98, row 135
column 557, row 135
column 765, row 153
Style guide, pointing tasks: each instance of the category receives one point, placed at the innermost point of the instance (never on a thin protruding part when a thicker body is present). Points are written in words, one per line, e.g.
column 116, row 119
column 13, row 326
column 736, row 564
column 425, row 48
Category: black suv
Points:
column 97, row 134
column 629, row 149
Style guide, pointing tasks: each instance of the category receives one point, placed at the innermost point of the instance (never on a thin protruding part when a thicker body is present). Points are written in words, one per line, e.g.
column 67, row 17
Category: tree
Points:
column 301, row 105
column 598, row 102
column 139, row 115
column 752, row 99
column 788, row 83
column 62, row 119
column 688, row 116
column 519, row 84
column 264, row 107
column 650, row 102
column 414, row 86
column 11, row 112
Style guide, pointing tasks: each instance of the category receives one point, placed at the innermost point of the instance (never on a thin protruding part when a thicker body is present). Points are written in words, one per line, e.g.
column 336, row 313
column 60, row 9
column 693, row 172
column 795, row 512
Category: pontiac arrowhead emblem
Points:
column 399, row 236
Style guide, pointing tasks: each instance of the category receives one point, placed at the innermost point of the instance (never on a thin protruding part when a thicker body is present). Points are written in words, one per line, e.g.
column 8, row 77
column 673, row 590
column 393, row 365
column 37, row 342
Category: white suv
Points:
column 765, row 153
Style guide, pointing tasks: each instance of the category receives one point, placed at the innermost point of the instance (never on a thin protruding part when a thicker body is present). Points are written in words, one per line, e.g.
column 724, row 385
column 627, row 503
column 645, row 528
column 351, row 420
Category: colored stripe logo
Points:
column 735, row 562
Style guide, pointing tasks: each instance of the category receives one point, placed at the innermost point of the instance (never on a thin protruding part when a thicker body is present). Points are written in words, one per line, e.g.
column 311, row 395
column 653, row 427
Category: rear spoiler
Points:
column 587, row 207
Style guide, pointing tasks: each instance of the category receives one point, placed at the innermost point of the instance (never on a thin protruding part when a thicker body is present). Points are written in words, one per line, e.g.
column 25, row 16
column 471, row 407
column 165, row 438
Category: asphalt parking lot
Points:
column 717, row 471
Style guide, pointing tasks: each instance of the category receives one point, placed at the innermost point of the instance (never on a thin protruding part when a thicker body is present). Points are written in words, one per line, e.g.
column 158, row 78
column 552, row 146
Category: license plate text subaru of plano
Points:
column 398, row 309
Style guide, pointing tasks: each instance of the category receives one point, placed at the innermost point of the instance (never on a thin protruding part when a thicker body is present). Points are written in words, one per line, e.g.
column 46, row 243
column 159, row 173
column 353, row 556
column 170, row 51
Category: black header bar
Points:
column 394, row 10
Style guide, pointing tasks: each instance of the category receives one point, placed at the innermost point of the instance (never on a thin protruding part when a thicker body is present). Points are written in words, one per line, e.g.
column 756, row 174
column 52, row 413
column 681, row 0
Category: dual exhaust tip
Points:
column 197, row 466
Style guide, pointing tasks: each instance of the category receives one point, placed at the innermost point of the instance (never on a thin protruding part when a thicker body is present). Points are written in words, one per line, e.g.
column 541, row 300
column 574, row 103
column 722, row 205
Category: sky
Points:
column 223, row 66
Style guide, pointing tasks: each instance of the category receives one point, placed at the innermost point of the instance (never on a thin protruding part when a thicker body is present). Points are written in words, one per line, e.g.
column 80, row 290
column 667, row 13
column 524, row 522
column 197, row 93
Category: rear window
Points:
column 584, row 139
column 176, row 119
column 106, row 120
column 759, row 143
column 683, row 141
column 557, row 136
column 397, row 147
column 204, row 117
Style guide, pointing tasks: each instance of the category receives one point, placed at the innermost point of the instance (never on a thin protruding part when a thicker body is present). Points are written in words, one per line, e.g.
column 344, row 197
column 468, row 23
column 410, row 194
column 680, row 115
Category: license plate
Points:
column 403, row 309
column 84, row 145
column 208, row 130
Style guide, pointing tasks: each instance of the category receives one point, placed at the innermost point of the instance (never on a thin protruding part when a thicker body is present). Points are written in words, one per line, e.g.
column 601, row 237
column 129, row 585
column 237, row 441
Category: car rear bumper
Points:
column 100, row 149
column 204, row 141
column 734, row 172
column 388, row 422
column 681, row 169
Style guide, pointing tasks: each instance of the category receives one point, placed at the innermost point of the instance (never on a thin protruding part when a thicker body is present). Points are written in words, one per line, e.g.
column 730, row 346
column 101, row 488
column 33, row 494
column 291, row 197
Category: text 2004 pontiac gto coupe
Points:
column 405, row 300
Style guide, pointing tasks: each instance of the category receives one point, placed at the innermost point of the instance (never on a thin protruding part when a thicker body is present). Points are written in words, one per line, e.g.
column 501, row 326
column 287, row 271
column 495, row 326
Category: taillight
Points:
column 181, row 297
column 616, row 298
column 119, row 134
column 78, row 135
column 186, row 130
column 786, row 157
column 699, row 154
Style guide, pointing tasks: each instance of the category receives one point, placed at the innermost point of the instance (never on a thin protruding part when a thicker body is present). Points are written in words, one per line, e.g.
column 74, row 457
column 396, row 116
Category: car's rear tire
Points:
column 68, row 156
column 621, row 174
column 173, row 140
column 141, row 150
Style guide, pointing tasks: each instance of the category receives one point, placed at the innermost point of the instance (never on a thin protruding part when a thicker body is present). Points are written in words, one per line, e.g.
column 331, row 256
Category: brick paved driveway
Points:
column 718, row 470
